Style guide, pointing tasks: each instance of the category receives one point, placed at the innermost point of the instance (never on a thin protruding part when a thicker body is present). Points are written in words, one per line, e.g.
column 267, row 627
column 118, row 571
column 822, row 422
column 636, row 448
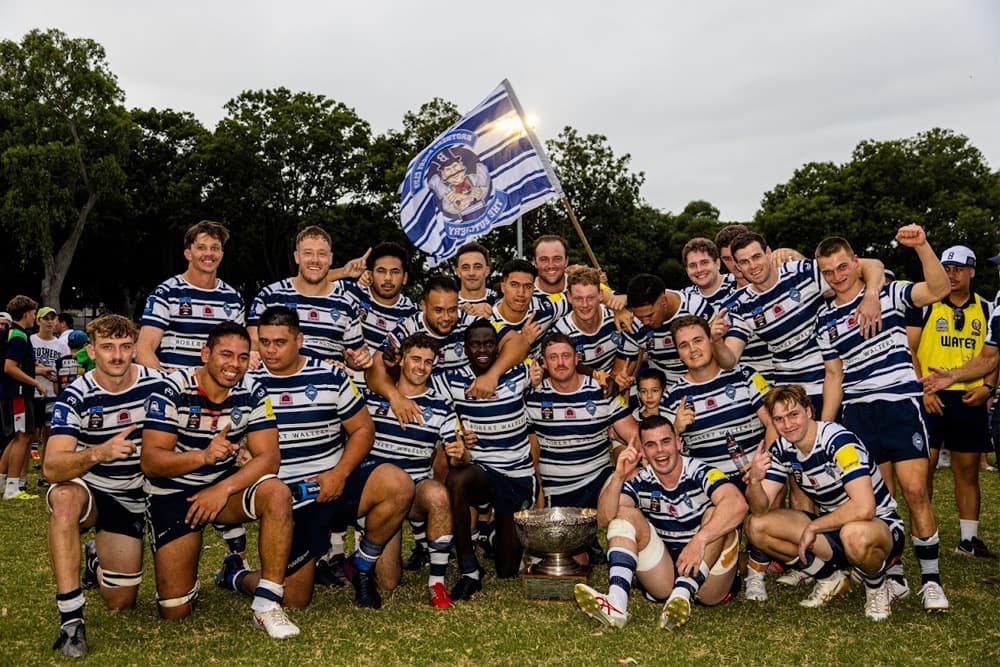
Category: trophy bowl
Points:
column 554, row 534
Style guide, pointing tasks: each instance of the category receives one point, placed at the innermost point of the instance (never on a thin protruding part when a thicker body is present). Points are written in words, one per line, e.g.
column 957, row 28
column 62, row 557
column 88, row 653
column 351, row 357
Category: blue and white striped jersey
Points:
column 412, row 448
column 784, row 317
column 559, row 302
column 725, row 410
column 178, row 407
column 993, row 331
column 92, row 415
column 310, row 407
column 599, row 349
column 676, row 513
column 329, row 323
column 545, row 313
column 491, row 297
column 720, row 296
column 186, row 314
column 377, row 320
column 499, row 421
column 837, row 457
column 659, row 343
column 755, row 354
column 451, row 354
column 879, row 368
column 572, row 432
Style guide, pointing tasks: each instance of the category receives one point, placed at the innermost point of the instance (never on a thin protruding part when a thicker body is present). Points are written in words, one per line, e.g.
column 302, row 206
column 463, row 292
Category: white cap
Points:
column 958, row 255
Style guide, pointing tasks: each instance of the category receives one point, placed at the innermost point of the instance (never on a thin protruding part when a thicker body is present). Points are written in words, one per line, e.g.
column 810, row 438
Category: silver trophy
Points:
column 554, row 534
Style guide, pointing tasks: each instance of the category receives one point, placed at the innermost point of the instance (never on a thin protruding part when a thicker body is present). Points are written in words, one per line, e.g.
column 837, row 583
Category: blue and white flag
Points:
column 485, row 171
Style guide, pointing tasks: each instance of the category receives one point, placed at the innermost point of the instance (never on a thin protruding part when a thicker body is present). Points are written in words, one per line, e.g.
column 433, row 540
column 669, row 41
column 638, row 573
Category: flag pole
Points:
column 550, row 172
column 579, row 231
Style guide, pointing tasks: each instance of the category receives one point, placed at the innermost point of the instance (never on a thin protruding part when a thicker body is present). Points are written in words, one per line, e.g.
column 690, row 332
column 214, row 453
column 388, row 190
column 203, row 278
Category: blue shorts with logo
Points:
column 891, row 431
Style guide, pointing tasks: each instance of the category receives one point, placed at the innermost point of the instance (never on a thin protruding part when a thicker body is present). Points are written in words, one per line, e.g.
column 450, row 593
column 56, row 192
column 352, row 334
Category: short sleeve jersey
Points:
column 412, row 448
column 178, row 407
column 659, row 343
column 185, row 314
column 599, row 349
column 451, row 353
column 377, row 320
column 19, row 351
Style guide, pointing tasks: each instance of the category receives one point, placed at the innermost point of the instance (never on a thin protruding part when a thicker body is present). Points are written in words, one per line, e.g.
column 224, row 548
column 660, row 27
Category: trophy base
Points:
column 538, row 586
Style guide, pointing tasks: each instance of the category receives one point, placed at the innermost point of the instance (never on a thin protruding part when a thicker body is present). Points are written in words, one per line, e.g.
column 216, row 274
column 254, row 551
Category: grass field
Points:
column 500, row 627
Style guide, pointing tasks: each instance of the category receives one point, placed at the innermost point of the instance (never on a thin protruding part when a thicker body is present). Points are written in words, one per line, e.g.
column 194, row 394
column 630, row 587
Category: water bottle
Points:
column 304, row 491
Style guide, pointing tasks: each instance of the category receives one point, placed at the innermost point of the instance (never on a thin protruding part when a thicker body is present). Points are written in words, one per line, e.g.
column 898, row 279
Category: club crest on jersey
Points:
column 380, row 323
column 591, row 408
column 184, row 308
column 154, row 408
column 668, row 341
column 941, row 324
column 311, row 392
column 511, row 386
column 795, row 295
column 616, row 338
column 977, row 326
column 730, row 392
column 458, row 347
column 599, row 351
column 227, row 309
column 428, row 414
column 710, row 403
column 687, row 501
column 59, row 417
column 95, row 417
column 236, row 416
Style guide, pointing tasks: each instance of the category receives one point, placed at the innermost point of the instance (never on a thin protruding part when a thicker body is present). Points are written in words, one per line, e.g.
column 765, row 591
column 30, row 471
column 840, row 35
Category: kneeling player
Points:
column 674, row 524
column 189, row 457
column 92, row 460
column 857, row 524
column 315, row 405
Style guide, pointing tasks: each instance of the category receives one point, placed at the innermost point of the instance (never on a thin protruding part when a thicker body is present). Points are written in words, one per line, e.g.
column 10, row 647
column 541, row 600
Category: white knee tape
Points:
column 652, row 553
column 250, row 496
column 119, row 579
column 621, row 528
column 191, row 596
column 727, row 559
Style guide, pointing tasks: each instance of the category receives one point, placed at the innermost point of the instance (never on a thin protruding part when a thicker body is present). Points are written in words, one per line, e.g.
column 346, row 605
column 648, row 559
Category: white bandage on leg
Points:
column 79, row 482
column 119, row 579
column 621, row 528
column 652, row 553
column 727, row 559
column 190, row 596
column 250, row 496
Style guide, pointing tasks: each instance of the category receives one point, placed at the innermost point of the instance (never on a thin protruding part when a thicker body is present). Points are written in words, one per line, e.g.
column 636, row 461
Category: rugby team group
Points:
column 781, row 407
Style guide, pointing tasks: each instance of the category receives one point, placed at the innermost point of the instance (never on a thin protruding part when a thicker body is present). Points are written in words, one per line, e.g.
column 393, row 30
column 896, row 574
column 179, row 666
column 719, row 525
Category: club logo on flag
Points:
column 485, row 171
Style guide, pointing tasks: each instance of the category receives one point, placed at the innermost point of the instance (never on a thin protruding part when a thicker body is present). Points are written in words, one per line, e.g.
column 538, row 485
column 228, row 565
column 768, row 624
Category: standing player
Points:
column 183, row 309
column 413, row 449
column 947, row 334
column 872, row 379
column 324, row 435
column 857, row 524
column 657, row 307
column 17, row 409
column 518, row 305
column 92, row 462
column 189, row 444
column 701, row 261
column 472, row 266
column 570, row 417
column 780, row 306
column 674, row 526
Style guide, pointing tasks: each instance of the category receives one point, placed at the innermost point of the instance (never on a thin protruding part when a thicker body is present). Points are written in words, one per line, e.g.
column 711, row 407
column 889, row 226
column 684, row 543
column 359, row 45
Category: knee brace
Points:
column 250, row 496
column 188, row 597
column 621, row 528
column 651, row 554
column 110, row 579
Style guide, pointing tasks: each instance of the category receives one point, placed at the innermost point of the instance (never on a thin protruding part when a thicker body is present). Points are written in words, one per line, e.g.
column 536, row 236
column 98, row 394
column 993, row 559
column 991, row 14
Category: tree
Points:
column 937, row 179
column 64, row 133
column 280, row 161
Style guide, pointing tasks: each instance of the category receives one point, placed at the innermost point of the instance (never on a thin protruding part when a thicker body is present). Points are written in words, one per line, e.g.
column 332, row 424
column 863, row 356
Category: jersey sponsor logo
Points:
column 382, row 410
column 832, row 333
column 511, row 386
column 95, row 417
column 847, row 458
column 616, row 338
column 194, row 420
column 941, row 324
column 570, row 414
column 759, row 320
column 208, row 312
column 977, row 326
column 124, row 418
column 311, row 392
column 797, row 473
column 285, row 400
column 154, row 409
column 458, row 348
column 313, row 316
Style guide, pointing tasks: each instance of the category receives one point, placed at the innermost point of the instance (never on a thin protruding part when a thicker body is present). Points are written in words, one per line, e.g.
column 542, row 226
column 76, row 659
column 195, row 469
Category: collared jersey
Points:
column 726, row 425
column 837, row 457
column 572, row 432
column 878, row 368
column 784, row 317
column 186, row 314
column 413, row 448
column 310, row 407
column 676, row 513
column 943, row 344
column 178, row 407
column 499, row 422
column 329, row 323
column 92, row 415
column 658, row 343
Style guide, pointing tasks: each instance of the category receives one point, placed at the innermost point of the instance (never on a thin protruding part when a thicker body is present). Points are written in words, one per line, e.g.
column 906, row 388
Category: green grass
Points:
column 500, row 627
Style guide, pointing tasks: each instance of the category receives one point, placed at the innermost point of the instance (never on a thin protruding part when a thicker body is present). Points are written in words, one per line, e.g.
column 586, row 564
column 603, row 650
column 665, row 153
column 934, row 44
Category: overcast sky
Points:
column 713, row 100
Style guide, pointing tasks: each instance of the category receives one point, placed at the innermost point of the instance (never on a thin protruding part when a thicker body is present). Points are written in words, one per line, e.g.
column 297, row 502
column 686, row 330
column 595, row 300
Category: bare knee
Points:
column 273, row 499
